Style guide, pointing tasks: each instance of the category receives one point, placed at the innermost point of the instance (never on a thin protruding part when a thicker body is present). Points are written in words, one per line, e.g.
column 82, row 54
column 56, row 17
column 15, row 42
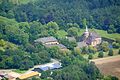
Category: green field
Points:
column 106, row 35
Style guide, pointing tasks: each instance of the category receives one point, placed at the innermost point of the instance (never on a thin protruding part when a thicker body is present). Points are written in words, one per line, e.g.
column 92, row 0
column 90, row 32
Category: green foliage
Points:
column 119, row 51
column 84, row 50
column 20, row 71
column 61, row 34
column 54, row 52
column 46, row 74
column 91, row 49
column 65, row 15
column 117, row 40
column 77, row 70
column 77, row 51
column 110, row 53
column 69, row 44
column 40, row 19
column 110, row 78
column 84, row 21
column 101, row 54
column 34, row 78
column 53, row 25
column 115, row 45
column 104, row 46
column 90, row 56
column 73, row 31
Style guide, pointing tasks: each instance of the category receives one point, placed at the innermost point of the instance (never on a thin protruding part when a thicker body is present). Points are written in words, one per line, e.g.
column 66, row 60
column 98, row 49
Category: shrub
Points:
column 90, row 56
column 119, row 51
column 113, row 77
column 115, row 45
column 110, row 53
column 105, row 46
column 100, row 55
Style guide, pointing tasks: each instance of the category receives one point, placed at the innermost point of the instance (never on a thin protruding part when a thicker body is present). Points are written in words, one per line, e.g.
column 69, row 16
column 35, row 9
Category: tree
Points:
column 105, row 46
column 73, row 31
column 115, row 45
column 26, row 64
column 110, row 78
column 117, row 40
column 54, row 52
column 91, row 49
column 101, row 54
column 53, row 25
column 84, row 21
column 90, row 56
column 46, row 74
column 119, row 51
column 69, row 44
column 34, row 78
column 16, row 59
column 72, row 44
column 111, row 29
column 30, row 48
column 84, row 50
column 114, row 78
column 77, row 51
column 110, row 53
column 44, row 56
column 70, row 25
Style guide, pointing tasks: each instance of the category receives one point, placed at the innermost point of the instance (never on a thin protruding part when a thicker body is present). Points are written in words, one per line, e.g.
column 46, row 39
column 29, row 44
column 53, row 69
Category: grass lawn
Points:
column 102, row 33
column 19, row 71
column 106, row 35
column 61, row 34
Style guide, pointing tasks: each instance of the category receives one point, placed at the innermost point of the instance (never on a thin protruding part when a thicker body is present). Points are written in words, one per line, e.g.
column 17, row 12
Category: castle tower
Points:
column 86, row 33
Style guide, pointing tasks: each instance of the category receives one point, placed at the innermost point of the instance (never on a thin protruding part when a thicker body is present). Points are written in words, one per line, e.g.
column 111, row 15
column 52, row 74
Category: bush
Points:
column 110, row 52
column 91, row 49
column 115, row 45
column 110, row 78
column 105, row 46
column 90, row 56
column 119, row 51
column 113, row 78
column 100, row 55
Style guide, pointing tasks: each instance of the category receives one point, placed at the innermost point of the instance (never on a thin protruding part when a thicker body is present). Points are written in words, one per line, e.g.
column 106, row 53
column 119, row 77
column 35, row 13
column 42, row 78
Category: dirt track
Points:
column 109, row 65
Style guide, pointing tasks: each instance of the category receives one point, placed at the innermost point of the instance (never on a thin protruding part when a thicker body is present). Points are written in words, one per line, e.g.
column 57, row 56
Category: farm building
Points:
column 47, row 41
column 48, row 66
column 50, row 42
